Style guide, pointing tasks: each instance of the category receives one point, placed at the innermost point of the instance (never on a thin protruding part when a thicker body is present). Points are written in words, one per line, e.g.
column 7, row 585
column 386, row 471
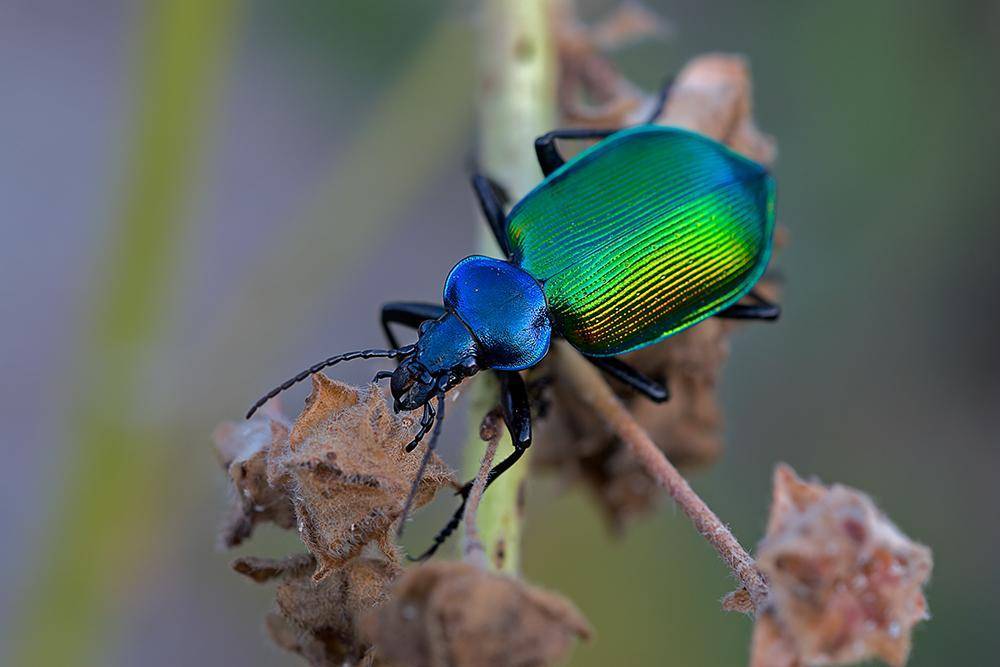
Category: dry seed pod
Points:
column 320, row 620
column 242, row 448
column 456, row 614
column 345, row 468
column 846, row 584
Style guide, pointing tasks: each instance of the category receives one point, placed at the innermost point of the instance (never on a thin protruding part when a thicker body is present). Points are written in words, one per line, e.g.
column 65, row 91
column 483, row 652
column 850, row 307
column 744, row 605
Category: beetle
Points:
column 637, row 238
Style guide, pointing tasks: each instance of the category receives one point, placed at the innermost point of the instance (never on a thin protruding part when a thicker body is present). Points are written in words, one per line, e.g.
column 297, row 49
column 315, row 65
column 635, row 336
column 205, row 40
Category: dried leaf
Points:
column 846, row 584
column 628, row 23
column 739, row 600
column 263, row 570
column 456, row 614
column 770, row 646
column 242, row 448
column 320, row 620
column 713, row 95
column 345, row 468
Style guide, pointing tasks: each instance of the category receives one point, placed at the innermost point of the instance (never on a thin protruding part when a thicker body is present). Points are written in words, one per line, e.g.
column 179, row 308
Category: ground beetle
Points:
column 640, row 236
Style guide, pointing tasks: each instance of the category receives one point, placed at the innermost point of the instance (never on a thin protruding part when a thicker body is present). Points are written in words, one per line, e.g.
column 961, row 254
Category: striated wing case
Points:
column 644, row 234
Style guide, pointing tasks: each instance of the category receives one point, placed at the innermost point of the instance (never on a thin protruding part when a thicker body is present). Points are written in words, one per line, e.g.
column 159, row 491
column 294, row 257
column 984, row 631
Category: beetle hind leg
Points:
column 633, row 377
column 661, row 102
column 761, row 309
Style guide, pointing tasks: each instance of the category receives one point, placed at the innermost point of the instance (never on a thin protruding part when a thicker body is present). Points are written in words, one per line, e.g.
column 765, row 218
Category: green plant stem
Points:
column 517, row 102
column 104, row 520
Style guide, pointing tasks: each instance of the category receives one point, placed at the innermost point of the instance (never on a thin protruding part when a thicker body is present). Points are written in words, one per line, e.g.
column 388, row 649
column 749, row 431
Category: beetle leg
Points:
column 627, row 374
column 661, row 102
column 426, row 421
column 407, row 314
column 761, row 310
column 549, row 158
column 517, row 414
column 492, row 200
column 431, row 446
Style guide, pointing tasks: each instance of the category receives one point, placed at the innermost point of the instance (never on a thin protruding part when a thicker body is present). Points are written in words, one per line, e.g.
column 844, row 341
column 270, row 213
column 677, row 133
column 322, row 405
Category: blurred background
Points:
column 199, row 197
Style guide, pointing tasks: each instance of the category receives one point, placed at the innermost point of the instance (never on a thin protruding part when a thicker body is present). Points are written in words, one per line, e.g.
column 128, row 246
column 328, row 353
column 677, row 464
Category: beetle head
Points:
column 445, row 354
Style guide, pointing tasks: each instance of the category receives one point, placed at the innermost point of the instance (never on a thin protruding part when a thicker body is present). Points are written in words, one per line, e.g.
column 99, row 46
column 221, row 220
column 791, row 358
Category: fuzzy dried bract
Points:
column 319, row 620
column 450, row 613
column 846, row 584
column 243, row 448
column 345, row 467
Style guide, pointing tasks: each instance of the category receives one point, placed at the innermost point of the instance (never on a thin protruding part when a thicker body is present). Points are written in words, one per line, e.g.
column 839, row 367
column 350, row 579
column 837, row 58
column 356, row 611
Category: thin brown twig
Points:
column 592, row 389
column 489, row 431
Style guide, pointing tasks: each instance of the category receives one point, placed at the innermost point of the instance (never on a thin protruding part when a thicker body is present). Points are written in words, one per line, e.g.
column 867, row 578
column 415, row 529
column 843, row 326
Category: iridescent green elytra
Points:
column 643, row 235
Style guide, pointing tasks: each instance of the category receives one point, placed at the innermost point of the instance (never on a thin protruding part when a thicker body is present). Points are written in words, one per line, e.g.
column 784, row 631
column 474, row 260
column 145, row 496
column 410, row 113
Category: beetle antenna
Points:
column 326, row 363
column 431, row 445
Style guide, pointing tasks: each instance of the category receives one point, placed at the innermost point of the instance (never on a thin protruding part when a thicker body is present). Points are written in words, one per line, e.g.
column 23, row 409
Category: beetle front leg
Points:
column 517, row 414
column 407, row 314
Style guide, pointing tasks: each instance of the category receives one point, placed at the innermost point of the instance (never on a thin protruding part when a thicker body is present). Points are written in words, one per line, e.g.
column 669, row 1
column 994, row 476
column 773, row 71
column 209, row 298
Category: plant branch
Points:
column 517, row 102
column 593, row 390
column 490, row 430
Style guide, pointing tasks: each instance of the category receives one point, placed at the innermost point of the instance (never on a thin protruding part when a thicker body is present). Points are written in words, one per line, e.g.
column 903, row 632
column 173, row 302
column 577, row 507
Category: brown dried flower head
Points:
column 711, row 95
column 452, row 613
column 243, row 448
column 320, row 620
column 846, row 584
column 344, row 466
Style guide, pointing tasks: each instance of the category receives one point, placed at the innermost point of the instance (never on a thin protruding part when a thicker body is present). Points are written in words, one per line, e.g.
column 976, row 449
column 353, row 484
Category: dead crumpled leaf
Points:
column 710, row 95
column 845, row 583
column 344, row 466
column 456, row 614
column 320, row 620
column 242, row 448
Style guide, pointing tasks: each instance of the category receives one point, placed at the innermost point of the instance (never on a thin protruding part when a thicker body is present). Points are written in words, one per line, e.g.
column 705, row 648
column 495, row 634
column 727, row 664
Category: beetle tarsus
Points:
column 426, row 421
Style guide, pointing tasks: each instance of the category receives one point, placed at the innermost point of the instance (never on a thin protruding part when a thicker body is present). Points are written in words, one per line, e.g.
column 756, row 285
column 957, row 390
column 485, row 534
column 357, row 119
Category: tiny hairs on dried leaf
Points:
column 243, row 448
column 345, row 467
column 846, row 584
column 319, row 619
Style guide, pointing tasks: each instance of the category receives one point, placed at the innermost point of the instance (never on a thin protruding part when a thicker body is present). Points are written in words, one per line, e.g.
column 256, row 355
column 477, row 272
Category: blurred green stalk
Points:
column 411, row 136
column 516, row 102
column 107, row 514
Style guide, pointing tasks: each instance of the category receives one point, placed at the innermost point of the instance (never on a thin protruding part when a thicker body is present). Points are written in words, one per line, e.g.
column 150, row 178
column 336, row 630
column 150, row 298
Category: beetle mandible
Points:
column 638, row 237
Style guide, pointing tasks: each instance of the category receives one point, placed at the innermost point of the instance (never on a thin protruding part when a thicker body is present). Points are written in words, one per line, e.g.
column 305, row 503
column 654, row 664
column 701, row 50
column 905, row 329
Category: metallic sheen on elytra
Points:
column 643, row 235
